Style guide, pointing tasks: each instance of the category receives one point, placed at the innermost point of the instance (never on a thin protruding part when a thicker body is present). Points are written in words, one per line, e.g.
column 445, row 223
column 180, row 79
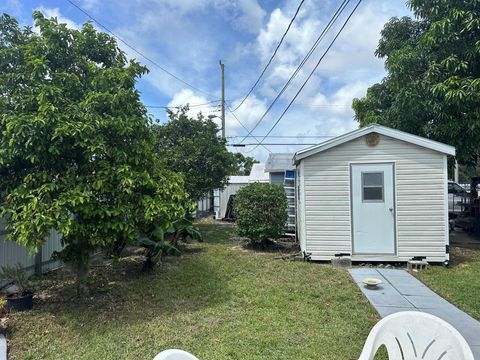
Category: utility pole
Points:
column 222, row 67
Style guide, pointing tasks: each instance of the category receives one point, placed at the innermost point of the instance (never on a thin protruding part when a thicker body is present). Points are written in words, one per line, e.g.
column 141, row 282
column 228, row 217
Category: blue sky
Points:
column 189, row 37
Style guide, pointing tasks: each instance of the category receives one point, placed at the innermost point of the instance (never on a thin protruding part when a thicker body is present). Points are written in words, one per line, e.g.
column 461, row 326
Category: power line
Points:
column 271, row 144
column 137, row 51
column 273, row 55
column 333, row 19
column 312, row 72
column 326, row 106
column 285, row 136
column 238, row 120
column 179, row 106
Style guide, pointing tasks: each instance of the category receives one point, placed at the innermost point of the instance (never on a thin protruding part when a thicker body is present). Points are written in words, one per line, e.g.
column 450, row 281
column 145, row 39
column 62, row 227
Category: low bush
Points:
column 260, row 211
column 18, row 276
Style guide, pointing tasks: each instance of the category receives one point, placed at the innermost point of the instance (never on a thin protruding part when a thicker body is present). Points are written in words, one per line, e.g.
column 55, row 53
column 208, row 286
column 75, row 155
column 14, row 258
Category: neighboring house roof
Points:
column 258, row 174
column 379, row 129
column 238, row 179
column 278, row 162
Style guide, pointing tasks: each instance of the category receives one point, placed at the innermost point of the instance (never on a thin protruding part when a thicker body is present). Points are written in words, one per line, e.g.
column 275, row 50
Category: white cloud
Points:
column 90, row 4
column 12, row 7
column 350, row 67
column 196, row 103
column 55, row 12
column 176, row 43
column 251, row 15
column 182, row 6
column 351, row 56
column 186, row 96
column 248, row 114
column 246, row 15
column 297, row 42
column 188, row 37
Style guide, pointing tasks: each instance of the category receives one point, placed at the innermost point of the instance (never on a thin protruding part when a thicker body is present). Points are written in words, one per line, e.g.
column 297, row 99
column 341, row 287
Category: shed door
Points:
column 373, row 208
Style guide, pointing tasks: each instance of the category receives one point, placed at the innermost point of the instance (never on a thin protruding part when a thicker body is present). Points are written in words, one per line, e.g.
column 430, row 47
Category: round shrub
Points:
column 261, row 212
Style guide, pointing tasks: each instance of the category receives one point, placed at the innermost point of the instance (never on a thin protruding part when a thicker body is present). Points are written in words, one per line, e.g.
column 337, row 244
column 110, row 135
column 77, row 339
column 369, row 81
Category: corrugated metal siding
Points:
column 203, row 206
column 420, row 198
column 53, row 243
column 13, row 254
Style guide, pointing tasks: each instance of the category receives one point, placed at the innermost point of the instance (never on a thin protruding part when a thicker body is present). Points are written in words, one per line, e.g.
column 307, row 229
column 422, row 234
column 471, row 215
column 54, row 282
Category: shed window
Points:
column 372, row 186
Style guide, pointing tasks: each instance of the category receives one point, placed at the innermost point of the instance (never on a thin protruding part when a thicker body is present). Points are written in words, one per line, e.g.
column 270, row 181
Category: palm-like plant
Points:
column 154, row 243
column 183, row 228
column 153, row 240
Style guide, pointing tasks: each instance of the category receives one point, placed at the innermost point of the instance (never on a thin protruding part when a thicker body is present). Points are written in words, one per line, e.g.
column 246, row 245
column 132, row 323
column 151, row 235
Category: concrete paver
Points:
column 3, row 348
column 400, row 291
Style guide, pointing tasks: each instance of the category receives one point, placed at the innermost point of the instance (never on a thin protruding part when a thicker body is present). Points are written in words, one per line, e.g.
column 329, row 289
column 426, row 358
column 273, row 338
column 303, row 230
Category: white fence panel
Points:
column 12, row 254
column 203, row 206
column 53, row 243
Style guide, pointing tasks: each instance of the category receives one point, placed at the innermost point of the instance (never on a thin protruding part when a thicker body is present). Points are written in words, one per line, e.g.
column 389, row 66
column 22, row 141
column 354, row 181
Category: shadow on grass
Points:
column 218, row 233
column 122, row 296
column 217, row 303
column 273, row 247
column 185, row 249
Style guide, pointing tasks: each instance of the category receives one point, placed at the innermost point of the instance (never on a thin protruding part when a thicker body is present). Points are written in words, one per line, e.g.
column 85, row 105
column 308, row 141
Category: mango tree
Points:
column 76, row 145
column 193, row 147
column 432, row 87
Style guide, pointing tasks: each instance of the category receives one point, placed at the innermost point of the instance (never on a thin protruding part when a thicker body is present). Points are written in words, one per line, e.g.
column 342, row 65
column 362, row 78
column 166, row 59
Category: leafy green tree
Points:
column 433, row 84
column 76, row 146
column 243, row 164
column 466, row 172
column 193, row 148
column 261, row 212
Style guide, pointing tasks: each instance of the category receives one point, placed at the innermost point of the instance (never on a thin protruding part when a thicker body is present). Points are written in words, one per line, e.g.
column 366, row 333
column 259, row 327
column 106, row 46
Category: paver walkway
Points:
column 3, row 347
column 400, row 291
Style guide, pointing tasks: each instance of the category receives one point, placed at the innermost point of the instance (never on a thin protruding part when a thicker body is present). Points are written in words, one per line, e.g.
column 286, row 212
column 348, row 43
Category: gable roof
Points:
column 379, row 129
column 238, row 179
column 278, row 162
column 258, row 174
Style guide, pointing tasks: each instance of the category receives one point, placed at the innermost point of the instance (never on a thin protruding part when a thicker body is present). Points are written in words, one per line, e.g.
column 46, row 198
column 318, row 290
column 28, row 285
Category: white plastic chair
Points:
column 416, row 335
column 174, row 354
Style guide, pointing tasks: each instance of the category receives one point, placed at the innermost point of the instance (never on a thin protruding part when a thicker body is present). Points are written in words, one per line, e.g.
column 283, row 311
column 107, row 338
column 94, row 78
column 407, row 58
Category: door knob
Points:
column 391, row 209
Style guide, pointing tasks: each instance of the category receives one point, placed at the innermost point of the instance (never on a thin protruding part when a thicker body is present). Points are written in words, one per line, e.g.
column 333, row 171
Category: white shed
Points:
column 376, row 194
column 220, row 197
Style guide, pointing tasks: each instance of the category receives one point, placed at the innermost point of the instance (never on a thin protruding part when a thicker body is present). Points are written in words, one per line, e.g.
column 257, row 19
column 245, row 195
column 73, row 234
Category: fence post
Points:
column 38, row 261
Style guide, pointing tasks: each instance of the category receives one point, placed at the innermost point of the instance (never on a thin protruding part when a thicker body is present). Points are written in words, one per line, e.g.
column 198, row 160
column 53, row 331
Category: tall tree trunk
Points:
column 175, row 238
column 148, row 263
column 81, row 272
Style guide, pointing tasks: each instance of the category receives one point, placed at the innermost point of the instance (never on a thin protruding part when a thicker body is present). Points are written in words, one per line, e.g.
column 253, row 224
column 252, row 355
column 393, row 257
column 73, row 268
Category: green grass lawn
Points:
column 218, row 301
column 460, row 282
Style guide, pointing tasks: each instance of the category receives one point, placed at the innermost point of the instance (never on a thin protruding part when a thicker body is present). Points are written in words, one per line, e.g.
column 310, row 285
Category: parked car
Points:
column 456, row 193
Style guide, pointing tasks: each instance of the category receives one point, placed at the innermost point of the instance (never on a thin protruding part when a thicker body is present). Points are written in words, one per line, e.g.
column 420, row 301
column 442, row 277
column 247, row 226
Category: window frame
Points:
column 382, row 186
